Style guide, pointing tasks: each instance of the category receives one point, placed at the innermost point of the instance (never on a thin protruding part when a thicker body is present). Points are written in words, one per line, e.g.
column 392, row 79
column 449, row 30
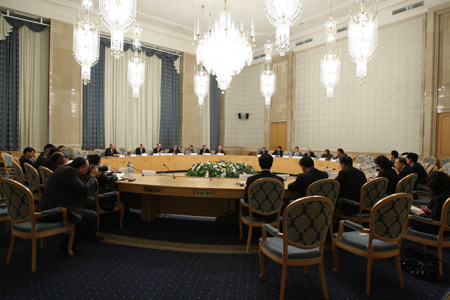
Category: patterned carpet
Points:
column 139, row 267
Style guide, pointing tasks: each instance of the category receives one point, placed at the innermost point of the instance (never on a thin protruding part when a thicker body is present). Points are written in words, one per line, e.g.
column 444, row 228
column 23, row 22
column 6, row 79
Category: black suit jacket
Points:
column 405, row 172
column 221, row 151
column 421, row 173
column 205, row 151
column 327, row 157
column 393, row 180
column 262, row 174
column 109, row 152
column 39, row 160
column 305, row 179
column 309, row 155
column 138, row 150
column 176, row 152
column 65, row 188
column 296, row 153
column 156, row 150
column 25, row 159
column 276, row 153
column 51, row 164
column 351, row 180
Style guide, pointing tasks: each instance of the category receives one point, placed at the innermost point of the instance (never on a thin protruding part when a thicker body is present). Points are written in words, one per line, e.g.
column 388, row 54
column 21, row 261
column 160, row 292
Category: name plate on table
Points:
column 121, row 155
column 204, row 193
column 244, row 176
column 133, row 155
column 220, row 154
column 149, row 189
column 148, row 173
column 180, row 153
column 206, row 153
column 286, row 156
column 157, row 153
column 194, row 153
column 322, row 159
column 166, row 154
column 258, row 155
column 284, row 176
column 297, row 157
column 144, row 154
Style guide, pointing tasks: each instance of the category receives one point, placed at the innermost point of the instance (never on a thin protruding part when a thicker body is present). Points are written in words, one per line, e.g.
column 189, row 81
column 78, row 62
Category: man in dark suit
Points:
column 394, row 155
column 220, row 150
column 309, row 175
column 65, row 188
column 351, row 181
column 57, row 160
column 265, row 162
column 189, row 150
column 141, row 149
column 340, row 153
column 296, row 152
column 204, row 150
column 402, row 168
column 263, row 151
column 174, row 150
column 327, row 155
column 411, row 159
column 278, row 152
column 158, row 149
column 308, row 153
column 111, row 151
column 44, row 155
column 28, row 154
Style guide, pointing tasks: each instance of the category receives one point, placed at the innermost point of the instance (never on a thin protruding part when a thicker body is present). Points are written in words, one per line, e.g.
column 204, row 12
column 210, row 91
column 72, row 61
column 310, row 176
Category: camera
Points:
column 102, row 168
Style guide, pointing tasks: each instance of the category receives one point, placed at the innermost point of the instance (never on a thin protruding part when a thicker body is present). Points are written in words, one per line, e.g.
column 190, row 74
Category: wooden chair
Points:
column 406, row 184
column 69, row 152
column 118, row 205
column 20, row 177
column 33, row 181
column 77, row 153
column 430, row 160
column 430, row 169
column 24, row 219
column 435, row 240
column 382, row 239
column 265, row 200
column 296, row 246
column 444, row 161
column 8, row 160
column 446, row 169
column 44, row 173
column 4, row 211
column 84, row 154
column 98, row 152
column 371, row 192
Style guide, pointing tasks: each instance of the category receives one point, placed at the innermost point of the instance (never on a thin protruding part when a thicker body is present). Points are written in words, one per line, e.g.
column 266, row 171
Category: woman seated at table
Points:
column 385, row 167
column 439, row 184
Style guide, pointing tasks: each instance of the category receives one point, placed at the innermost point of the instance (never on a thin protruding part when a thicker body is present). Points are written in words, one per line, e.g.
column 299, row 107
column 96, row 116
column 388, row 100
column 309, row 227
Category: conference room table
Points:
column 198, row 196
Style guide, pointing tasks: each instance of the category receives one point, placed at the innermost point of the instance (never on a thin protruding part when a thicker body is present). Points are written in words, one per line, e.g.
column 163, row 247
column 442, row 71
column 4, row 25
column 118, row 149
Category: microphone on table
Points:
column 137, row 170
column 169, row 171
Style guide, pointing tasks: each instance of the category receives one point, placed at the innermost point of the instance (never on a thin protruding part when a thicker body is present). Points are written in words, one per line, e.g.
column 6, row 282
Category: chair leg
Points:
column 283, row 282
column 322, row 279
column 33, row 254
column 369, row 271
column 122, row 213
column 98, row 221
column 70, row 243
column 399, row 271
column 305, row 270
column 249, row 238
column 11, row 246
column 42, row 243
column 334, row 249
column 240, row 230
column 441, row 268
column 261, row 263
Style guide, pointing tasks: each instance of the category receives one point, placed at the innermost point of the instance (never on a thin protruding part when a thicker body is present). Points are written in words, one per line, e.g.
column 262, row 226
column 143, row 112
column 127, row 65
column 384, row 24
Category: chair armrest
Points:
column 51, row 211
column 108, row 194
column 425, row 220
column 243, row 203
column 272, row 230
column 350, row 202
column 353, row 225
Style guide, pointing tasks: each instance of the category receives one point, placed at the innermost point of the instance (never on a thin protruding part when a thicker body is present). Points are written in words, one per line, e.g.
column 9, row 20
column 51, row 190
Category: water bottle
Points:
column 127, row 174
column 329, row 171
column 130, row 170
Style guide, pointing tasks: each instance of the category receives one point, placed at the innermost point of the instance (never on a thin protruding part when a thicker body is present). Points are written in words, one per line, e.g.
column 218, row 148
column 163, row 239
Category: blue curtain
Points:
column 214, row 110
column 93, row 106
column 9, row 91
column 169, row 133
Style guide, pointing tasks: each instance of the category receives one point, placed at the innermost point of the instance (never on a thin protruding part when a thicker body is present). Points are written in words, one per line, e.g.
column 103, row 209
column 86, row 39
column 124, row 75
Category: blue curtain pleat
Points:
column 9, row 92
column 93, row 106
column 214, row 110
column 169, row 133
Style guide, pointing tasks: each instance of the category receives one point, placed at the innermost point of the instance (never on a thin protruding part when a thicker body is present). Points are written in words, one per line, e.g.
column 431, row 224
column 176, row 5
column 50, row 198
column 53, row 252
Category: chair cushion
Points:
column 3, row 212
column 425, row 235
column 275, row 246
column 360, row 241
column 40, row 226
column 363, row 216
column 421, row 201
column 260, row 219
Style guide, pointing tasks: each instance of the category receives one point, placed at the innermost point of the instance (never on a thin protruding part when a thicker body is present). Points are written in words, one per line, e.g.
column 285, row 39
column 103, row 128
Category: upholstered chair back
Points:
column 265, row 196
column 306, row 221
column 328, row 188
column 369, row 160
column 406, row 185
column 373, row 191
column 77, row 153
column 8, row 160
column 69, row 152
column 430, row 160
column 446, row 169
column 98, row 152
column 84, row 154
column 388, row 217
column 18, row 171
column 45, row 174
column 32, row 177
column 18, row 198
column 445, row 160
column 361, row 159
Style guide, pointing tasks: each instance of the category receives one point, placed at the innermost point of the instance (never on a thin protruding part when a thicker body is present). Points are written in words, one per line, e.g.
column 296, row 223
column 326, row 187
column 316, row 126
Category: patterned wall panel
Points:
column 382, row 114
column 244, row 96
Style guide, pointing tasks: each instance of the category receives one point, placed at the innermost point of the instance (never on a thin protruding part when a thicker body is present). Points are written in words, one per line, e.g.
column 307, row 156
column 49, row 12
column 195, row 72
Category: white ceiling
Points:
column 170, row 23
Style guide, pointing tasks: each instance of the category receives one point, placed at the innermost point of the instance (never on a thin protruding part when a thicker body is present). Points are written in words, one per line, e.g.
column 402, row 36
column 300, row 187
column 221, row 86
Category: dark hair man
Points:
column 220, row 150
column 327, row 155
column 27, row 157
column 204, row 150
column 402, row 168
column 57, row 159
column 340, row 153
column 296, row 152
column 111, row 151
column 43, row 157
column 141, row 149
column 263, row 151
column 309, row 175
column 411, row 160
column 158, row 149
column 189, row 150
column 278, row 152
column 175, row 150
column 394, row 155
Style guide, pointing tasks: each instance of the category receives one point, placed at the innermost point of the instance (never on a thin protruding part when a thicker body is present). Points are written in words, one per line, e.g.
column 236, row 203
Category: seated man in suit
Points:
column 204, row 150
column 189, row 150
column 394, row 155
column 175, row 150
column 411, row 160
column 44, row 155
column 385, row 166
column 111, row 151
column 46, row 159
column 351, row 181
column 141, row 149
column 296, row 152
column 278, row 152
column 62, row 148
column 27, row 157
column 158, row 149
column 402, row 168
column 265, row 162
column 309, row 175
column 327, row 155
column 65, row 188
column 308, row 153
column 340, row 153
column 56, row 160
column 220, row 150
column 263, row 151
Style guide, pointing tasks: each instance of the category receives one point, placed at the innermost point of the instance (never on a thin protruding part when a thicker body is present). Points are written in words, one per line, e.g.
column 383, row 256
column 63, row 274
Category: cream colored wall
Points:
column 65, row 91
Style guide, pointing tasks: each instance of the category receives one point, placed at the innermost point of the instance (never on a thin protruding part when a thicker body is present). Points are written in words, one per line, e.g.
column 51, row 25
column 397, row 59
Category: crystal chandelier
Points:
column 268, row 76
column 136, row 64
column 86, row 40
column 362, row 34
column 330, row 65
column 282, row 14
column 224, row 49
column 118, row 16
column 201, row 83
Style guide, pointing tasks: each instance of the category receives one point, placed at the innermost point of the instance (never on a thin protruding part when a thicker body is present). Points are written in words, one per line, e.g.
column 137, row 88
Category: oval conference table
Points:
column 198, row 196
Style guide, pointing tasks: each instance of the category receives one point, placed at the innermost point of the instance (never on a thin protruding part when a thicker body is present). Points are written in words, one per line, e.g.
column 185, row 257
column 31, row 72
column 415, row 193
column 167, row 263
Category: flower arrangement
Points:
column 222, row 169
